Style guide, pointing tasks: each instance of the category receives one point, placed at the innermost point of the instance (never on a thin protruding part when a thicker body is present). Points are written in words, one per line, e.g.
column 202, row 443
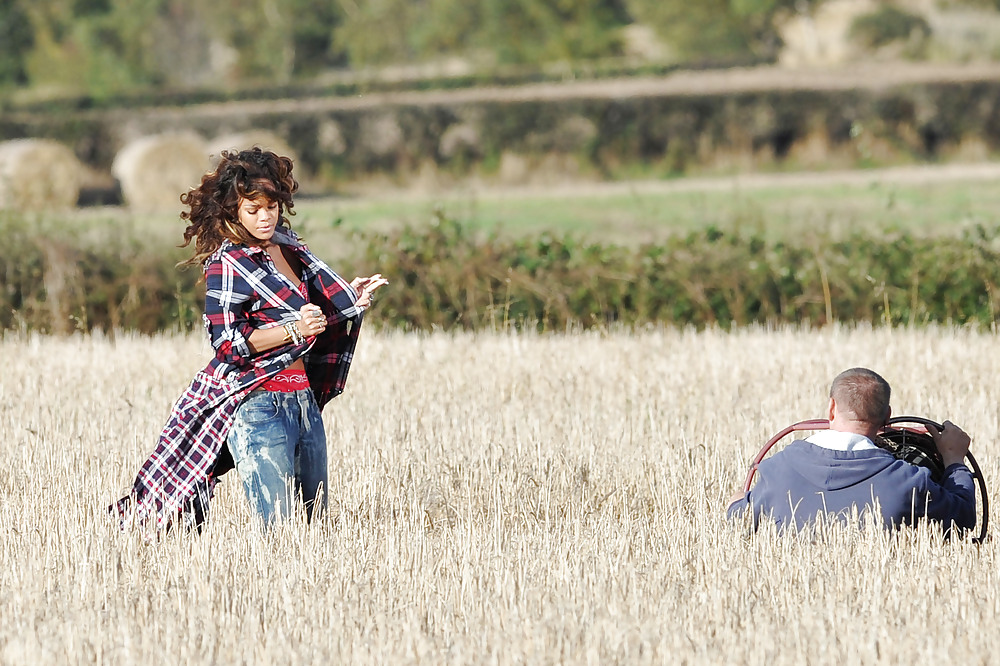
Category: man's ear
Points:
column 888, row 414
column 831, row 410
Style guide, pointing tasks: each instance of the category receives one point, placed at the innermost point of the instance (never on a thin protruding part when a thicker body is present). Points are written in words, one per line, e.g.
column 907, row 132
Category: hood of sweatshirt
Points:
column 834, row 470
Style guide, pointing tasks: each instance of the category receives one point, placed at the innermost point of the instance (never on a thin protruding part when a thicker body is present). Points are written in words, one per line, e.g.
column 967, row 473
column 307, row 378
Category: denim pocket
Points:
column 259, row 407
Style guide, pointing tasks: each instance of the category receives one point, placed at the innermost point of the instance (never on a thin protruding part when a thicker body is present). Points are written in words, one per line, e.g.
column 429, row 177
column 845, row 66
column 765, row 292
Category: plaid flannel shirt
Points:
column 244, row 291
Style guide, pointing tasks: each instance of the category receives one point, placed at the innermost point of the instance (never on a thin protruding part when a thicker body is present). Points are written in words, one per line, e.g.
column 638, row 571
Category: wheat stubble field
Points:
column 495, row 498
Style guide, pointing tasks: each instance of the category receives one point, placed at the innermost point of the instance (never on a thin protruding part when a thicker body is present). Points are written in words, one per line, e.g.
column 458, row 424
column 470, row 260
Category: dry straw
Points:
column 495, row 498
column 153, row 169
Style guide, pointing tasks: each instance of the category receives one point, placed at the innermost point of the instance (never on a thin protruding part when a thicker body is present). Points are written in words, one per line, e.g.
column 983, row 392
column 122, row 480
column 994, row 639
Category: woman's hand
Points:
column 311, row 321
column 366, row 286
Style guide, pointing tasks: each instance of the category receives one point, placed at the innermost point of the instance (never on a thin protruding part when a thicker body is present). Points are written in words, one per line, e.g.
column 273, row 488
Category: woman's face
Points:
column 259, row 217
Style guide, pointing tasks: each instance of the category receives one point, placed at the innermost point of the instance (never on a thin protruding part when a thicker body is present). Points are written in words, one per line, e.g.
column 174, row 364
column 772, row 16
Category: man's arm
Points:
column 955, row 499
column 952, row 443
column 737, row 504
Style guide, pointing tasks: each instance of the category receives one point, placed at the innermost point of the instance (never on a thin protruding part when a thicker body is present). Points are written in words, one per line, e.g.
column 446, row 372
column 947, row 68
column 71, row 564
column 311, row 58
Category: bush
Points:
column 447, row 277
column 887, row 25
column 16, row 40
column 57, row 279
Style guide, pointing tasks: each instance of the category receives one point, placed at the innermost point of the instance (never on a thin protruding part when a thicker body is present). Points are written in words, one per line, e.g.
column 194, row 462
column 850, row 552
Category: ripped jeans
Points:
column 279, row 446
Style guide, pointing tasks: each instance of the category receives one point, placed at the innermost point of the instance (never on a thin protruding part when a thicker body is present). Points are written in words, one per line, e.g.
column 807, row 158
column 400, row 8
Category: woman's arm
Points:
column 226, row 293
column 310, row 322
column 263, row 339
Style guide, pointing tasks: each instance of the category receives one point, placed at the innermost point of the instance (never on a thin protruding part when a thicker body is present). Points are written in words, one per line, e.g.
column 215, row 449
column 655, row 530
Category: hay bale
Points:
column 382, row 135
column 573, row 134
column 460, row 140
column 330, row 137
column 155, row 170
column 38, row 174
column 242, row 140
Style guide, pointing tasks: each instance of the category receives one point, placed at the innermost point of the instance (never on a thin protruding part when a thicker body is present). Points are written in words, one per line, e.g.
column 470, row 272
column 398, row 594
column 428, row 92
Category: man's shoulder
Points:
column 804, row 447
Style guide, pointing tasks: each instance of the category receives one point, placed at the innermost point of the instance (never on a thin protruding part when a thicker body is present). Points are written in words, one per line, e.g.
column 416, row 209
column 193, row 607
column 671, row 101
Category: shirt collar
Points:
column 836, row 440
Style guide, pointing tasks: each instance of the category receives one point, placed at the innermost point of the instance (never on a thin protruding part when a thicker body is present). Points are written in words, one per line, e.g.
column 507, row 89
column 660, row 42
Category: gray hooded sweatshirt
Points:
column 803, row 480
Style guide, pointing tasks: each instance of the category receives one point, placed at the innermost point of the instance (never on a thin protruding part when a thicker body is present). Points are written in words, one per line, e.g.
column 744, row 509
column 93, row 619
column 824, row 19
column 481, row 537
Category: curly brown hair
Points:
column 214, row 215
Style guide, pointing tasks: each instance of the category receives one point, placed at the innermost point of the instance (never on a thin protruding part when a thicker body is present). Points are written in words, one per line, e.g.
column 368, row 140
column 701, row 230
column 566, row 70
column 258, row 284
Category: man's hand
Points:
column 952, row 443
column 735, row 498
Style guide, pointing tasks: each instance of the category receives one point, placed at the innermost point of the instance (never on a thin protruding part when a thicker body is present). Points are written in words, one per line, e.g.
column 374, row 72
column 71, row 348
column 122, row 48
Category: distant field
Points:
column 925, row 200
column 495, row 498
column 793, row 207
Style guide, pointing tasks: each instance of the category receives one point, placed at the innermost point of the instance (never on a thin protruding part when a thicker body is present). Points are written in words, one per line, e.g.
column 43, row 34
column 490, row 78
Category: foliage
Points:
column 107, row 46
column 704, row 278
column 16, row 39
column 886, row 25
column 445, row 277
column 718, row 29
column 59, row 279
column 103, row 47
column 313, row 26
column 377, row 32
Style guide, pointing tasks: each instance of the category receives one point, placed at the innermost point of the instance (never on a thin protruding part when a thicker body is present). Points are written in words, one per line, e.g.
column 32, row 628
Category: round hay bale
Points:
column 38, row 174
column 331, row 138
column 574, row 133
column 382, row 135
column 460, row 140
column 242, row 140
column 155, row 170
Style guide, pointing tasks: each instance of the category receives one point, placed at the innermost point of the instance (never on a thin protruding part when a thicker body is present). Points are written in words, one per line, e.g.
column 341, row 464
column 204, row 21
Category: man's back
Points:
column 805, row 479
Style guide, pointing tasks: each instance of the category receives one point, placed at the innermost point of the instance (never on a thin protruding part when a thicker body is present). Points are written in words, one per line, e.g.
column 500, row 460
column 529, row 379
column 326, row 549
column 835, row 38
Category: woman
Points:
column 284, row 327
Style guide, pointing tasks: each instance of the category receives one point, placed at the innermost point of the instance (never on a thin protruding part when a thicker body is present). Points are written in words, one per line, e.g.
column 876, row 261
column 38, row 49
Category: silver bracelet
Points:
column 293, row 333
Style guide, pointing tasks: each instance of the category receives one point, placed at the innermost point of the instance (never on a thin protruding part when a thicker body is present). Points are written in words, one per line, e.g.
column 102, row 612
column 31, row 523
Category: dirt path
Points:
column 684, row 82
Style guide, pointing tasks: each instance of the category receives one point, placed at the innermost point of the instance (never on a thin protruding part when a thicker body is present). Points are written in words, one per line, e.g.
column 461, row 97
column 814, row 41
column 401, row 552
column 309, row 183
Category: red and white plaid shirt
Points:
column 244, row 291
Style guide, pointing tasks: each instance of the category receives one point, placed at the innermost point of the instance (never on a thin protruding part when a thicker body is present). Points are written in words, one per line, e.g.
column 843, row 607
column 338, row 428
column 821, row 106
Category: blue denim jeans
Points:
column 279, row 446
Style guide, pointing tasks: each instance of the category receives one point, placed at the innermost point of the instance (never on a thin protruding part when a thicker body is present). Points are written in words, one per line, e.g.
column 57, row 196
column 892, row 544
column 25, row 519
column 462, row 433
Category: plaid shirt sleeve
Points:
column 332, row 352
column 227, row 290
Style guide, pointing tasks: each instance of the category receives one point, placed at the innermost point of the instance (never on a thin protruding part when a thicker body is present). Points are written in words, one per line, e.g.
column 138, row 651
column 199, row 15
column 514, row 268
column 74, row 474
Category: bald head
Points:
column 862, row 395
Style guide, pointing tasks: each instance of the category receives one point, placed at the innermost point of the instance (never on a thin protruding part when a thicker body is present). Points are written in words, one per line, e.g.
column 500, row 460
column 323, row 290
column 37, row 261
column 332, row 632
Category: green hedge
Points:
column 448, row 277
column 59, row 278
column 444, row 276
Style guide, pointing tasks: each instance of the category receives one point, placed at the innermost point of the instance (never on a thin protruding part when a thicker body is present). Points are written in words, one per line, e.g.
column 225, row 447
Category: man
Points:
column 839, row 471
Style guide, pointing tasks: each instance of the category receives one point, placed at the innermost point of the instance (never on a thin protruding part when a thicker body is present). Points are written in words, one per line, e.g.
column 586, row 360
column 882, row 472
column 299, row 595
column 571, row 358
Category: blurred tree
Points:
column 104, row 46
column 378, row 32
column 313, row 26
column 718, row 29
column 505, row 31
column 985, row 4
column 889, row 24
column 452, row 27
column 260, row 33
column 16, row 40
column 93, row 46
column 532, row 31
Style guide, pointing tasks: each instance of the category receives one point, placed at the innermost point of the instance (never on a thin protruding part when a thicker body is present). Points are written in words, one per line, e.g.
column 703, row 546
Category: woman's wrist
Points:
column 293, row 333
